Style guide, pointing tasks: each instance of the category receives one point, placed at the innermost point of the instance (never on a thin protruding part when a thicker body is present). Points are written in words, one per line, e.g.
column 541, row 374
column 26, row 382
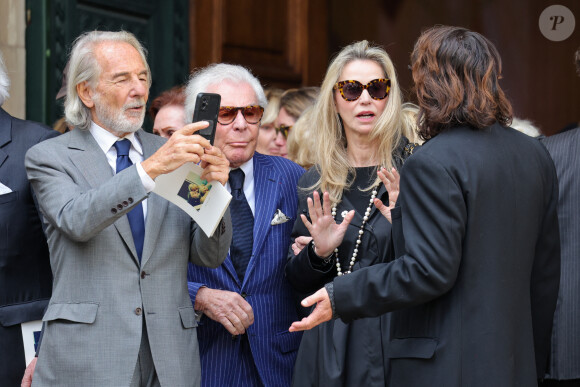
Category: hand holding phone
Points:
column 207, row 108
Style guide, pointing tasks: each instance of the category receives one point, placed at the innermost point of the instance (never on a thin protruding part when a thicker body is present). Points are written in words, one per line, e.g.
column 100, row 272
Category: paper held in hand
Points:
column 204, row 201
column 30, row 336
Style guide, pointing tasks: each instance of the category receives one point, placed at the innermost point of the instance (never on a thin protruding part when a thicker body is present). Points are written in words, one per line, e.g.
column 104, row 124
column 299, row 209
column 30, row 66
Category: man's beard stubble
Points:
column 115, row 120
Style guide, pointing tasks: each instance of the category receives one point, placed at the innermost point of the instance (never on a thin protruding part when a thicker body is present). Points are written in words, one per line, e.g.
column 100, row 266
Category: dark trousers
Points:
column 12, row 361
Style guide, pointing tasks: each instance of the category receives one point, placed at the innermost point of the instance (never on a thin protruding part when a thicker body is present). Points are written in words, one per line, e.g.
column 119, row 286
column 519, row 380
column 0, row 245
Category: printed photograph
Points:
column 194, row 190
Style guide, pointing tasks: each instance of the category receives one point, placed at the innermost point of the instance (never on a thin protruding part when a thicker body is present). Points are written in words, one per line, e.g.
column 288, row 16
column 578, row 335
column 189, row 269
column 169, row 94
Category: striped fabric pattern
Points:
column 565, row 356
column 224, row 360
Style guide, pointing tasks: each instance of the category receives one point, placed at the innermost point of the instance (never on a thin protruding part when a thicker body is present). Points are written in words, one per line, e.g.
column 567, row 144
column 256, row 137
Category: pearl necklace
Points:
column 360, row 234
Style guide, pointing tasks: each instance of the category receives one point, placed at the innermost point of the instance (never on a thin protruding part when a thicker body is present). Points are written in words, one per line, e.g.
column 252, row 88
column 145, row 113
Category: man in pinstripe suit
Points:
column 246, row 308
column 564, row 148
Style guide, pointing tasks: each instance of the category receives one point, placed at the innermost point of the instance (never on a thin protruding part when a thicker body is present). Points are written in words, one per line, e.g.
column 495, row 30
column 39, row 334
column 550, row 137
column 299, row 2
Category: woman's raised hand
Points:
column 391, row 181
column 325, row 232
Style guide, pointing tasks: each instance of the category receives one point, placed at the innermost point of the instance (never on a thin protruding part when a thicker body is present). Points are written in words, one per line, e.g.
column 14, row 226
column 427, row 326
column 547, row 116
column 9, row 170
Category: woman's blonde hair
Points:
column 271, row 111
column 300, row 142
column 330, row 144
column 409, row 115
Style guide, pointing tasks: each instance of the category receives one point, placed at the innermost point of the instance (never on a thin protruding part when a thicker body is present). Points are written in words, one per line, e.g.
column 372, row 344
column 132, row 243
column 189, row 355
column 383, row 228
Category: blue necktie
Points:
column 135, row 216
column 242, row 224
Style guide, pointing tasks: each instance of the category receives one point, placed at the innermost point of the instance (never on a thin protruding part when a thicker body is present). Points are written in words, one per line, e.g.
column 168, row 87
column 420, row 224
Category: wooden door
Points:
column 284, row 42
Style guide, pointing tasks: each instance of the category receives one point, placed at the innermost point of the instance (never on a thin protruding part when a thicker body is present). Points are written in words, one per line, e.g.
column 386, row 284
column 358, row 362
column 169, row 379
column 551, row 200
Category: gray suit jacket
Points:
column 94, row 320
column 565, row 151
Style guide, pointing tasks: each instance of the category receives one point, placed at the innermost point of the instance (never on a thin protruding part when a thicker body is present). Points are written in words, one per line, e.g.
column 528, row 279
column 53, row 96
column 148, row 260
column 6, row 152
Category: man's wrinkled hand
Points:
column 215, row 165
column 182, row 147
column 228, row 308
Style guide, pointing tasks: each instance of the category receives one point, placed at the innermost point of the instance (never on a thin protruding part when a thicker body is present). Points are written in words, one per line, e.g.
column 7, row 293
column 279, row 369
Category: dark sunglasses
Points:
column 252, row 114
column 352, row 90
column 284, row 130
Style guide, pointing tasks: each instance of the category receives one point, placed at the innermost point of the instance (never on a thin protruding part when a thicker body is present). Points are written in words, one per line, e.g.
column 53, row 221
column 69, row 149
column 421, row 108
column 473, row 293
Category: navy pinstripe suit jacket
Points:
column 565, row 354
column 265, row 288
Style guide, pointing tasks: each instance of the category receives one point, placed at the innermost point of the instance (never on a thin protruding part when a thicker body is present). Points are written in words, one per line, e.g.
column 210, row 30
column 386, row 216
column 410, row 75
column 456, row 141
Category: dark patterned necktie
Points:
column 242, row 224
column 135, row 216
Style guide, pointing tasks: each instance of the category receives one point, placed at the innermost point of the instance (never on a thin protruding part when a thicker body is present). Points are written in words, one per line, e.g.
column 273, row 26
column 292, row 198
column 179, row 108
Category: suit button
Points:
column 119, row 207
column 125, row 203
column 143, row 274
column 244, row 295
column 138, row 311
column 130, row 200
column 114, row 210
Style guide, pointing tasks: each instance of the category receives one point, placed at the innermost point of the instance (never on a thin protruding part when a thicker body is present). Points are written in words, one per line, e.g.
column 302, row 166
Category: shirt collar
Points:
column 106, row 139
column 248, row 169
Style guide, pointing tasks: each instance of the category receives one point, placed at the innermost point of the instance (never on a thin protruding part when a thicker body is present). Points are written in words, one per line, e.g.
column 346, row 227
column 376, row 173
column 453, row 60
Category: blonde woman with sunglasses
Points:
column 357, row 127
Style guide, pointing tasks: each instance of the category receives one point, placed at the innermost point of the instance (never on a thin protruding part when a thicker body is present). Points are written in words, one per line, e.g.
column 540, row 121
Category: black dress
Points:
column 335, row 353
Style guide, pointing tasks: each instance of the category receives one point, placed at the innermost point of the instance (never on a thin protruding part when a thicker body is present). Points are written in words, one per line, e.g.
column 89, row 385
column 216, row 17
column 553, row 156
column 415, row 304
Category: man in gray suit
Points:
column 564, row 370
column 120, row 314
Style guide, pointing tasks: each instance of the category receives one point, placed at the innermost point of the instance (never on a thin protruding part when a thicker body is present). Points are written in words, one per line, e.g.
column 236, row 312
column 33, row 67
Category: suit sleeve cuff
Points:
column 192, row 288
column 330, row 290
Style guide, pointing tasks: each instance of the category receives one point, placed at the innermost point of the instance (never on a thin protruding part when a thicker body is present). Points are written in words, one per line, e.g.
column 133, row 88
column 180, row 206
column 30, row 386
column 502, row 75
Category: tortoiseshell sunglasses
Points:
column 352, row 90
column 284, row 129
column 252, row 114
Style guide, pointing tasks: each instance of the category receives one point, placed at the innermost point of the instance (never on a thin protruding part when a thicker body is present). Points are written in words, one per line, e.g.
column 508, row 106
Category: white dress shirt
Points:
column 106, row 140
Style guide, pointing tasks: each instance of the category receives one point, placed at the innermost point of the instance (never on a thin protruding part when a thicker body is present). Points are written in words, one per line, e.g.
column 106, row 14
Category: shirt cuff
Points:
column 330, row 290
column 147, row 181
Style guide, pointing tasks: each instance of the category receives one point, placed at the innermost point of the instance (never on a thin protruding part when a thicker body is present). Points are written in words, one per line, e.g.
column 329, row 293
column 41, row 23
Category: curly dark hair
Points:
column 456, row 73
column 173, row 96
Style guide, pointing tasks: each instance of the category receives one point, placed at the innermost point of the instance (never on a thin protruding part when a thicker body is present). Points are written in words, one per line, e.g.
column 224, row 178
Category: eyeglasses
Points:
column 352, row 90
column 252, row 114
column 284, row 130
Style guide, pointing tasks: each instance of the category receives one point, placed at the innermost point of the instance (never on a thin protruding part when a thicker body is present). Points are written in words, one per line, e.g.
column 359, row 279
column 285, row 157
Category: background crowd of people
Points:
column 414, row 244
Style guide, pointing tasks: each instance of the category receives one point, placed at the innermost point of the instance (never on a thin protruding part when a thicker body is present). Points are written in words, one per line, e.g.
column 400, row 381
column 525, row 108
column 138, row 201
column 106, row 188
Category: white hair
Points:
column 84, row 67
column 215, row 74
column 4, row 82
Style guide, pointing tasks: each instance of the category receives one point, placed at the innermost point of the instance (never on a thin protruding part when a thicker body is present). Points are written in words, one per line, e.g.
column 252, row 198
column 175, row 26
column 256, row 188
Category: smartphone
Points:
column 207, row 108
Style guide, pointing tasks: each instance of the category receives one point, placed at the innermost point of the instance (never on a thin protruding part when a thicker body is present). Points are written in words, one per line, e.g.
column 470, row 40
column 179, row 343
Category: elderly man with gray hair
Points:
column 120, row 314
column 247, row 303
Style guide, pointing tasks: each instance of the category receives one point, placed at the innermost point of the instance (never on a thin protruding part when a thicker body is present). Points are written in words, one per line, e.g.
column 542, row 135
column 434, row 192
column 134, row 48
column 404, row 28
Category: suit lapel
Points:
column 5, row 134
column 156, row 207
column 267, row 189
column 92, row 163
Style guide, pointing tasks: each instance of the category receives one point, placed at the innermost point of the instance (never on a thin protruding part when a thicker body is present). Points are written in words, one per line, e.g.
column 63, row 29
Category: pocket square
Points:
column 6, row 190
column 279, row 218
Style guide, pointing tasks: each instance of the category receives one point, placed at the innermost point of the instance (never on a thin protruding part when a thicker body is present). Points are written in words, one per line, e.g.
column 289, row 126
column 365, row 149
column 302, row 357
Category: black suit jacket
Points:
column 25, row 275
column 475, row 286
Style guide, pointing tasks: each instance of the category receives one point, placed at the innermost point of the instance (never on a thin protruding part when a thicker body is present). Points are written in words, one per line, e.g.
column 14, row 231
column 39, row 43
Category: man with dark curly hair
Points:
column 474, row 282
